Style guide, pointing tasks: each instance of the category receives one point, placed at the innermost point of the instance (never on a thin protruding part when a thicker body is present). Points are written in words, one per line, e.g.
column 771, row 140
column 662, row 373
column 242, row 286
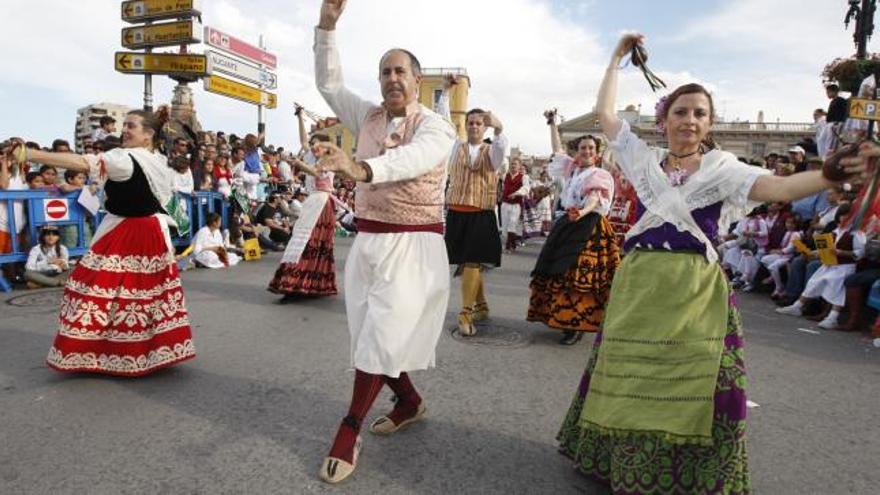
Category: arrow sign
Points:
column 220, row 63
column 171, row 64
column 235, row 46
column 239, row 91
column 172, row 33
column 153, row 10
column 864, row 109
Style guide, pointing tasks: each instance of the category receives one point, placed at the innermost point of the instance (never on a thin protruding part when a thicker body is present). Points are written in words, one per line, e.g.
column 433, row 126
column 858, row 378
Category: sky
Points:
column 523, row 56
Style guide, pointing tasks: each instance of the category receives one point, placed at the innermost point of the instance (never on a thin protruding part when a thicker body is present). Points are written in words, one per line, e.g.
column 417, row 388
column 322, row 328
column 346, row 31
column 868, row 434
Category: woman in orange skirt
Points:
column 572, row 277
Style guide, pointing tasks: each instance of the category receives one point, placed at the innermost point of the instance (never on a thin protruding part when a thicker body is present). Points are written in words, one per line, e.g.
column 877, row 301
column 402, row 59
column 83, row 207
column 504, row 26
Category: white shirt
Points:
column 206, row 239
column 15, row 184
column 183, row 182
column 249, row 181
column 40, row 261
column 430, row 144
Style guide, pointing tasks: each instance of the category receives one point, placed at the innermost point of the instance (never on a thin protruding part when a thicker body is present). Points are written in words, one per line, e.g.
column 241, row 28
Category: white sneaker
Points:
column 789, row 310
column 748, row 288
column 829, row 323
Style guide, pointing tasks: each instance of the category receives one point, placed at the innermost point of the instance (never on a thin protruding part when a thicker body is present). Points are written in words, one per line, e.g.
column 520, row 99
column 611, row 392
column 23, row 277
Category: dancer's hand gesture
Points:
column 330, row 12
column 334, row 159
column 626, row 44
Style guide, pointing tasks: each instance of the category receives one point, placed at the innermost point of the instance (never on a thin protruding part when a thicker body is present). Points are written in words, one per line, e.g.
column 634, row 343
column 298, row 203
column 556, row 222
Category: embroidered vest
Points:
column 472, row 186
column 417, row 201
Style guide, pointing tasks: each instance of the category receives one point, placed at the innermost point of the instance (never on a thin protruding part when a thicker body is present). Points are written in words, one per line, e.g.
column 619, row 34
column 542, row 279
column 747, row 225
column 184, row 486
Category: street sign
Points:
column 239, row 91
column 235, row 46
column 56, row 210
column 171, row 33
column 171, row 64
column 864, row 109
column 218, row 62
column 154, row 10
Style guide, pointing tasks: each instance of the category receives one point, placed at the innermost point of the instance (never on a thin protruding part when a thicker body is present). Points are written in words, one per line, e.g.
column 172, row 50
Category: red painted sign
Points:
column 56, row 209
column 235, row 46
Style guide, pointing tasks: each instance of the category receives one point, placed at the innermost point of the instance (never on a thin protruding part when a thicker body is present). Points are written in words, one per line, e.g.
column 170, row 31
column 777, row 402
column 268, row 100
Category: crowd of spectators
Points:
column 261, row 182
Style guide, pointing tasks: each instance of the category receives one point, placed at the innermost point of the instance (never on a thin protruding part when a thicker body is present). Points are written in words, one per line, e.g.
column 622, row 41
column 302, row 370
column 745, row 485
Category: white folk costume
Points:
column 308, row 267
column 472, row 238
column 203, row 244
column 827, row 282
column 123, row 309
column 666, row 377
column 397, row 272
column 514, row 190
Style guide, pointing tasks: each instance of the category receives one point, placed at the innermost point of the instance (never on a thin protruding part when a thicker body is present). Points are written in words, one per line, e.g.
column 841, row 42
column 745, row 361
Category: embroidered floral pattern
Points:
column 127, row 264
column 122, row 292
column 122, row 365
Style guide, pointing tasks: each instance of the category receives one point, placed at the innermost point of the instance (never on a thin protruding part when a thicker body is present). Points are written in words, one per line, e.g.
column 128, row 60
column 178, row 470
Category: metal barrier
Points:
column 49, row 208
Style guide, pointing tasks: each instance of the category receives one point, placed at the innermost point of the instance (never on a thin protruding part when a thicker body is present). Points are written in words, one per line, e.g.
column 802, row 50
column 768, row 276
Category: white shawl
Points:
column 721, row 177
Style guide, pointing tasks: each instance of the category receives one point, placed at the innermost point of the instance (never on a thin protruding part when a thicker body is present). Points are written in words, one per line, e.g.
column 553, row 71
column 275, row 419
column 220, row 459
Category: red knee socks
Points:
column 366, row 388
column 408, row 399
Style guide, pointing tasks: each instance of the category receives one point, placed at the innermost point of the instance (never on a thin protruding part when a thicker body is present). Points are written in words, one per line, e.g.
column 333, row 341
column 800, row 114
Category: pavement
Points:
column 256, row 411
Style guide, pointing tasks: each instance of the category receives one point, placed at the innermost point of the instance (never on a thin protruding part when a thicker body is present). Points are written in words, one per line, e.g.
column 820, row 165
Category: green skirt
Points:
column 642, row 420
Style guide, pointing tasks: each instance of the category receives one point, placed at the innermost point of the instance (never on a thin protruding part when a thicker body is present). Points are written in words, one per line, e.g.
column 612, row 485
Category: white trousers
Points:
column 511, row 219
column 396, row 294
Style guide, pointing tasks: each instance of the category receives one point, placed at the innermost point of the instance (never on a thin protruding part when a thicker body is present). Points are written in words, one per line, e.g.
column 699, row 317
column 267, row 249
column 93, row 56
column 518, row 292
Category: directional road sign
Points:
column 171, row 33
column 154, row 10
column 864, row 109
column 171, row 64
column 230, row 66
column 235, row 46
column 239, row 91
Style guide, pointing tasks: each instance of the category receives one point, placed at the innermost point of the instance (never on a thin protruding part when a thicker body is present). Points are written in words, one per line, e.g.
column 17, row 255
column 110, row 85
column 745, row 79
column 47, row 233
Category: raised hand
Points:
column 626, row 44
column 550, row 115
column 330, row 12
column 449, row 81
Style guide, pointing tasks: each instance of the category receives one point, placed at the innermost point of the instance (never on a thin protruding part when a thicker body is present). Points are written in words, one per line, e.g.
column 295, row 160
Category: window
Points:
column 437, row 94
column 339, row 140
column 759, row 149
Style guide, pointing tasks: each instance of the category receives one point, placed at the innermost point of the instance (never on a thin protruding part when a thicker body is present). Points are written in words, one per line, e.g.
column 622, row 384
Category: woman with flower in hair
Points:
column 661, row 406
column 572, row 277
column 123, row 309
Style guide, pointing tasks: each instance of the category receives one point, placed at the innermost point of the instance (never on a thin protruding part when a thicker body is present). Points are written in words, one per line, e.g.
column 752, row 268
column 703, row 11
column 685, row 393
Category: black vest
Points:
column 132, row 197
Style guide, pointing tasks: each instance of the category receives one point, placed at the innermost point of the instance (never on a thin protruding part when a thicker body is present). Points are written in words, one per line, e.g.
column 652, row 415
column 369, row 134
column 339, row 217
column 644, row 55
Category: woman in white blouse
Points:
column 123, row 311
column 208, row 245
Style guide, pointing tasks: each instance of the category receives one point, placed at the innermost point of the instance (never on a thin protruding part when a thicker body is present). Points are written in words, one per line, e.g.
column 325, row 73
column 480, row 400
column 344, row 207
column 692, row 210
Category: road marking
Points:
column 807, row 330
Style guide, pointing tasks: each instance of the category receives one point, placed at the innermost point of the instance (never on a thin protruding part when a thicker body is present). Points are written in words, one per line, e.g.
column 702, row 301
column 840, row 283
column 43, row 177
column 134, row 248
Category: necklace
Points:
column 678, row 175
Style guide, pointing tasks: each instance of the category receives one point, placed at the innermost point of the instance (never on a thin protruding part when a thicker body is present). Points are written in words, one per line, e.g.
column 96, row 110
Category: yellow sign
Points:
column 864, row 109
column 825, row 246
column 172, row 33
column 161, row 63
column 151, row 10
column 239, row 91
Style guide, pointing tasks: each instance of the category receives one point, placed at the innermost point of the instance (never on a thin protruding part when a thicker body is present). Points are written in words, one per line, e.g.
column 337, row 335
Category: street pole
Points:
column 261, row 126
column 148, row 84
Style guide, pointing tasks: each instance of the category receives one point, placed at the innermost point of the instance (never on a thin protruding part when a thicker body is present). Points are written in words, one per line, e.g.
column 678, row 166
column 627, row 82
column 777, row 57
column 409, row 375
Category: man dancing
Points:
column 472, row 237
column 396, row 276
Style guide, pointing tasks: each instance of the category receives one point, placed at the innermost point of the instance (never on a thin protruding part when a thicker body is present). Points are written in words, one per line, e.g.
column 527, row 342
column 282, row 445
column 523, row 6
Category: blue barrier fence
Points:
column 48, row 208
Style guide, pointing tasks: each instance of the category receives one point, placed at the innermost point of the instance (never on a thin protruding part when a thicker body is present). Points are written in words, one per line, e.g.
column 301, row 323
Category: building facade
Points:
column 87, row 119
column 432, row 87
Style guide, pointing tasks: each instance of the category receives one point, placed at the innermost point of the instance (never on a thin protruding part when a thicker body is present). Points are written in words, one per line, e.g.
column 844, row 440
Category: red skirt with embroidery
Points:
column 315, row 272
column 123, row 309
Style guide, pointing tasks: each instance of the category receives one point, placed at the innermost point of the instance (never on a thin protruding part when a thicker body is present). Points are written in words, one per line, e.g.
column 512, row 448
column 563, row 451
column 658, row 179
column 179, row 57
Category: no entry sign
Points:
column 56, row 210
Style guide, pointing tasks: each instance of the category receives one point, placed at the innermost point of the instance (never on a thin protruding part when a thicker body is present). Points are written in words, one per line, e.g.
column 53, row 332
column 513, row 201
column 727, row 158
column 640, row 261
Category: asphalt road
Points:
column 256, row 411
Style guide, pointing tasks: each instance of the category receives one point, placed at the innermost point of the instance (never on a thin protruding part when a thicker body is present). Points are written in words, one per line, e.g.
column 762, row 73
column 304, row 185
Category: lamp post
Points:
column 864, row 17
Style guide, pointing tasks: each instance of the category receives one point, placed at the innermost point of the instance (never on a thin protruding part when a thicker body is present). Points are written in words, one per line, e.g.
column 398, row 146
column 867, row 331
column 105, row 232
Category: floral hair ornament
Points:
column 660, row 114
